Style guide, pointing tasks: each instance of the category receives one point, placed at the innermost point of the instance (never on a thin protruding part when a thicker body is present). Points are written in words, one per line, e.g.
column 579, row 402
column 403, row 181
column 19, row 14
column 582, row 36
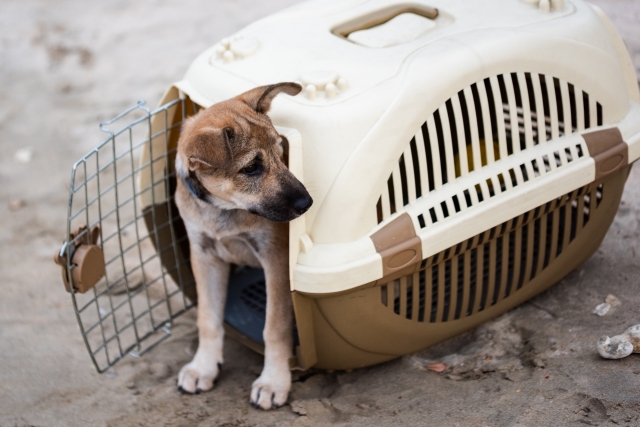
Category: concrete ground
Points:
column 69, row 64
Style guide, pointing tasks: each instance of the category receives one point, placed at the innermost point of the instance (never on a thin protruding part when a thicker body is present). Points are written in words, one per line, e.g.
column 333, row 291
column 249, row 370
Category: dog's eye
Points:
column 252, row 169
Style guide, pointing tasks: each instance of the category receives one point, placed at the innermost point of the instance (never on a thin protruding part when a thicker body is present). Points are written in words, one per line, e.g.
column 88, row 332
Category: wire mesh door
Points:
column 146, row 280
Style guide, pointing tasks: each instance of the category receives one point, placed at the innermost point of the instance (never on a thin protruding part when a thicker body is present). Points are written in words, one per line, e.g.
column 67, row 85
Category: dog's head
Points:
column 231, row 155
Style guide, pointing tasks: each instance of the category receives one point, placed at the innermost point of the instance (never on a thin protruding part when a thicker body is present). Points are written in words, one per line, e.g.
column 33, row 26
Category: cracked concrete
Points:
column 70, row 64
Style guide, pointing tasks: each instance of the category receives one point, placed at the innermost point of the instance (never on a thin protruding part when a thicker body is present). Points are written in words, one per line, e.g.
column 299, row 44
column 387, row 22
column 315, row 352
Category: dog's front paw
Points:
column 198, row 375
column 271, row 390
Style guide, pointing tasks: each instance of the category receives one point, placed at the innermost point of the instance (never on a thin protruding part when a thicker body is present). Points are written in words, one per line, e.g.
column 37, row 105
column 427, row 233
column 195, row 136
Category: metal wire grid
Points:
column 132, row 308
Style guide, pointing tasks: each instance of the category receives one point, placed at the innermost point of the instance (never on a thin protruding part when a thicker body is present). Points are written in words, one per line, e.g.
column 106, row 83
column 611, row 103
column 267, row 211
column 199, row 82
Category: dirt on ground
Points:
column 67, row 65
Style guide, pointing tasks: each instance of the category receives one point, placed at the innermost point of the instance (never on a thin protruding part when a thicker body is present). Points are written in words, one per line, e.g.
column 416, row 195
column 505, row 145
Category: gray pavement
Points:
column 67, row 65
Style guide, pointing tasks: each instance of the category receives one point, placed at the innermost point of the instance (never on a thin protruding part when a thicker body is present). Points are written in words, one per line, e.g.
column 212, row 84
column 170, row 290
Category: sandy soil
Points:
column 67, row 65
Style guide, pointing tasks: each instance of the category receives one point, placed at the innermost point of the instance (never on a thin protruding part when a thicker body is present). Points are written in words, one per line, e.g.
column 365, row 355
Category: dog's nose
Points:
column 302, row 204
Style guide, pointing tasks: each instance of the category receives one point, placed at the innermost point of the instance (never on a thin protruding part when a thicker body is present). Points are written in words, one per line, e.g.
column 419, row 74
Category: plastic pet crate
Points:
column 462, row 157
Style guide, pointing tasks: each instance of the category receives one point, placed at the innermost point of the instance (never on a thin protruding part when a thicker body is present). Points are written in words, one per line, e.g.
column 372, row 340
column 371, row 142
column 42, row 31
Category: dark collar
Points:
column 195, row 186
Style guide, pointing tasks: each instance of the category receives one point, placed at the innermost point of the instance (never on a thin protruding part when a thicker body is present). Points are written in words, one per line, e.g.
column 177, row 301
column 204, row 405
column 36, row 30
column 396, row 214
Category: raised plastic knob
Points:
column 311, row 92
column 244, row 47
column 330, row 90
column 220, row 50
column 228, row 56
column 557, row 4
column 545, row 6
column 319, row 78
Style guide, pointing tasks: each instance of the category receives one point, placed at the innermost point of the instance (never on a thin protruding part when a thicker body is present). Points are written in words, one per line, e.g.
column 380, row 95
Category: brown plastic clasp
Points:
column 399, row 247
column 609, row 151
column 87, row 260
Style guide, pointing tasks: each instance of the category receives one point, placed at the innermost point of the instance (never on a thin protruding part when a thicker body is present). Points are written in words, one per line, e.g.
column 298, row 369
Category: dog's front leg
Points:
column 212, row 276
column 271, row 389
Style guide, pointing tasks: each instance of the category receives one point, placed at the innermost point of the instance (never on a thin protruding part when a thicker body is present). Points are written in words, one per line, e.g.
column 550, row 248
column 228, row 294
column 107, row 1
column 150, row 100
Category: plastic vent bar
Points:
column 514, row 112
column 479, row 273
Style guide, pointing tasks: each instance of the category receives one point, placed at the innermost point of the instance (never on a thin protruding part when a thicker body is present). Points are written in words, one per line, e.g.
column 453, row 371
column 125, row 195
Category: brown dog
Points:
column 235, row 196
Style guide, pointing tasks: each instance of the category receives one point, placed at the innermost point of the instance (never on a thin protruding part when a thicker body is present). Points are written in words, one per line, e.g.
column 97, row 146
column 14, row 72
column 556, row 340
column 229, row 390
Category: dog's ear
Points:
column 260, row 98
column 196, row 163
column 210, row 149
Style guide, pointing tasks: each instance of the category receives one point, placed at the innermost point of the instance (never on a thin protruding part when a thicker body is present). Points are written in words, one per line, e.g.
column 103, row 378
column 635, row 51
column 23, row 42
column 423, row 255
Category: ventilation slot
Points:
column 481, row 272
column 483, row 123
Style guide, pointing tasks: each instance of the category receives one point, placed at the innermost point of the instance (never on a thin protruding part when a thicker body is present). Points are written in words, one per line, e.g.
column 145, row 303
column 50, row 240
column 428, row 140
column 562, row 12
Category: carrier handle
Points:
column 138, row 106
column 381, row 16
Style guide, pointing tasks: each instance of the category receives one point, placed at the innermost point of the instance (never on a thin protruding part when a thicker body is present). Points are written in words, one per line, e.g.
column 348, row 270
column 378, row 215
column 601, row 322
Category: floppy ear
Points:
column 260, row 98
column 196, row 163
column 210, row 149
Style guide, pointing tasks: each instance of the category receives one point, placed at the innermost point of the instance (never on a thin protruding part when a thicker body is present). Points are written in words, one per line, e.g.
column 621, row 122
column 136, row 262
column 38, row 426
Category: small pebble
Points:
column 453, row 377
column 612, row 300
column 620, row 346
column 24, row 155
column 16, row 205
column 601, row 309
column 437, row 367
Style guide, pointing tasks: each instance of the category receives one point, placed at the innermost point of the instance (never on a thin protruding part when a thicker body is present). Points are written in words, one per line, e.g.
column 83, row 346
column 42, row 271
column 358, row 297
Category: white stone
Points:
column 24, row 155
column 620, row 346
column 602, row 309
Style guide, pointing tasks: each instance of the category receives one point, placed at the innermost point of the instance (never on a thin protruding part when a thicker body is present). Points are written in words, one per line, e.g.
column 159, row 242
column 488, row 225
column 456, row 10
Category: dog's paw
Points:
column 271, row 390
column 197, row 376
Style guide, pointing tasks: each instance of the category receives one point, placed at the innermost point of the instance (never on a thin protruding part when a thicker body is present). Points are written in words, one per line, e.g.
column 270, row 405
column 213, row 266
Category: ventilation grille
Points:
column 482, row 271
column 254, row 296
column 488, row 121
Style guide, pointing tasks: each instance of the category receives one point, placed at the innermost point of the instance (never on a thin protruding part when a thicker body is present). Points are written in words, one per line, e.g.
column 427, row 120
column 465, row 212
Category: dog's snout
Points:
column 302, row 204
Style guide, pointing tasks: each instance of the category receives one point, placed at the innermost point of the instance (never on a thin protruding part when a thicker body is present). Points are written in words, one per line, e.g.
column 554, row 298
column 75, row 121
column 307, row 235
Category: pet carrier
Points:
column 462, row 157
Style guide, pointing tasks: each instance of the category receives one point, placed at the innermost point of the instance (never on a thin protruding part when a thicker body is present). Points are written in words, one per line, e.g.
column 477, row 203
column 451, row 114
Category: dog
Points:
column 236, row 195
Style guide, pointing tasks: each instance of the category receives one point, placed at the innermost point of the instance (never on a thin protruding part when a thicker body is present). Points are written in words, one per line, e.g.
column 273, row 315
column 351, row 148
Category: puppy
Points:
column 235, row 195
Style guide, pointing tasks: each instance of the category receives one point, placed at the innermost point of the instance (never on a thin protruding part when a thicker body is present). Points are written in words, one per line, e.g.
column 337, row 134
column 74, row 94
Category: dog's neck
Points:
column 195, row 186
column 222, row 218
column 191, row 181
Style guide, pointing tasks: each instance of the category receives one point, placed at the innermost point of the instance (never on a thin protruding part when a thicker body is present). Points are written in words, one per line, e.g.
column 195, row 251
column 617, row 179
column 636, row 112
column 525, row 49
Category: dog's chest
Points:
column 231, row 249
